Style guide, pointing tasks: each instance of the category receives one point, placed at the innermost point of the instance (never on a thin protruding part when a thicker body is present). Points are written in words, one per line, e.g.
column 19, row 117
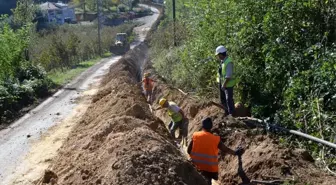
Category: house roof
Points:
column 48, row 6
column 61, row 5
column 53, row 6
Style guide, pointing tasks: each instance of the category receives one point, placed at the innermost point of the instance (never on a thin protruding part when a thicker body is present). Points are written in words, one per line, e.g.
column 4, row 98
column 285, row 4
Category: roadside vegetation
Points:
column 34, row 64
column 68, row 45
column 107, row 5
column 60, row 77
column 284, row 53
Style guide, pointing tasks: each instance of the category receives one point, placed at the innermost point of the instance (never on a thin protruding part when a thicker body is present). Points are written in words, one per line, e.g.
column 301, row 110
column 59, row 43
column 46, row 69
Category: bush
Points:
column 21, row 82
column 29, row 71
column 16, row 94
column 122, row 8
column 68, row 45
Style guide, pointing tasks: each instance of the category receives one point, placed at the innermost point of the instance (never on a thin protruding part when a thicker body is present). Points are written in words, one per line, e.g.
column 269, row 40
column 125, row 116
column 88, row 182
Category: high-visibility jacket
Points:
column 148, row 83
column 222, row 73
column 204, row 153
column 175, row 116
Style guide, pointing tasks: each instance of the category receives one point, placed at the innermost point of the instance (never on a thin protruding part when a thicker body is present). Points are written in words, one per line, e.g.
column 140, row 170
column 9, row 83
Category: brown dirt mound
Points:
column 119, row 141
column 264, row 159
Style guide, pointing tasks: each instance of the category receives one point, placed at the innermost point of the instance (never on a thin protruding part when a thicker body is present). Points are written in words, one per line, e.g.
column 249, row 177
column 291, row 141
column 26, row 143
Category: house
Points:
column 58, row 13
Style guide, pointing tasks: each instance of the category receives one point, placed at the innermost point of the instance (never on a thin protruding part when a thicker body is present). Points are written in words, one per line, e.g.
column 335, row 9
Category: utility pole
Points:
column 99, row 26
column 174, row 19
column 84, row 10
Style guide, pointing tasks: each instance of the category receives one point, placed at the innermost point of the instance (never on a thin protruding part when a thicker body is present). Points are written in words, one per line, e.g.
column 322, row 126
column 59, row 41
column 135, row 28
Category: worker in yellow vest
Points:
column 177, row 117
column 203, row 150
column 226, row 79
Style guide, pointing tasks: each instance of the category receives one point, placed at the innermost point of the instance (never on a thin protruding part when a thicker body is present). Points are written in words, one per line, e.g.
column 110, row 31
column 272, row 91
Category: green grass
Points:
column 107, row 54
column 62, row 77
column 131, row 38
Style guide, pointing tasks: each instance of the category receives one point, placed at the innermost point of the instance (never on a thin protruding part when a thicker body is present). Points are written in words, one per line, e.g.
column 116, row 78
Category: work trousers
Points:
column 175, row 125
column 226, row 97
column 148, row 95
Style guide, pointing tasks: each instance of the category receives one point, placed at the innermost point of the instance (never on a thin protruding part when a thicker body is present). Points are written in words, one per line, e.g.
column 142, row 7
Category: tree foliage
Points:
column 20, row 81
column 68, row 45
column 7, row 5
column 13, row 44
column 24, row 13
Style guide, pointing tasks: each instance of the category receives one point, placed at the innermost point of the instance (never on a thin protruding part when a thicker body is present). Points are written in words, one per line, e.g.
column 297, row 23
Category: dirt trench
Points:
column 265, row 159
column 119, row 141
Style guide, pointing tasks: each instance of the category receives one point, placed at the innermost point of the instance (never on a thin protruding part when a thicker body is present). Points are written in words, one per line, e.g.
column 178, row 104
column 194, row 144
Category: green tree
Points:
column 24, row 13
column 12, row 46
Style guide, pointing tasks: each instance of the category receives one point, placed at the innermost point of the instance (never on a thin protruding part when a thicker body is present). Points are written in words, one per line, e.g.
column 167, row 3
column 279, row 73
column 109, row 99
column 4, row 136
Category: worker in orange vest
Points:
column 148, row 85
column 203, row 150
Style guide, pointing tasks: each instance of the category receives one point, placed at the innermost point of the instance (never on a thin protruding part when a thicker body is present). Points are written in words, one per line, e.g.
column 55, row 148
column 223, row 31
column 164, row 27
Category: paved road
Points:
column 15, row 140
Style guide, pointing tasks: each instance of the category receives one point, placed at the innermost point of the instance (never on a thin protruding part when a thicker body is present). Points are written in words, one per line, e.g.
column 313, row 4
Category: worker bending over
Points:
column 203, row 150
column 177, row 117
column 148, row 86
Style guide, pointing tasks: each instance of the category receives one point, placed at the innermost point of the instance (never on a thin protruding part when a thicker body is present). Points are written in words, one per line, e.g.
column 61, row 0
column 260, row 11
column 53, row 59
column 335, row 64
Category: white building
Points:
column 58, row 13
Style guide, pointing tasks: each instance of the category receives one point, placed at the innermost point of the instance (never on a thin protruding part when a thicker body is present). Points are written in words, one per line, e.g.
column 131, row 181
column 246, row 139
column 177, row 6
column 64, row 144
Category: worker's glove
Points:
column 239, row 151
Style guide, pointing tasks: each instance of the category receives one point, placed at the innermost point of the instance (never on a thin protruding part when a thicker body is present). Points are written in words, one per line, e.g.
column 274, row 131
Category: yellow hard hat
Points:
column 162, row 101
column 146, row 74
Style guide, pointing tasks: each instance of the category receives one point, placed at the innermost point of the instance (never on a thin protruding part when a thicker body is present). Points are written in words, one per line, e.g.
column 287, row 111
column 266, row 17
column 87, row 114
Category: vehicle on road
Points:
column 121, row 45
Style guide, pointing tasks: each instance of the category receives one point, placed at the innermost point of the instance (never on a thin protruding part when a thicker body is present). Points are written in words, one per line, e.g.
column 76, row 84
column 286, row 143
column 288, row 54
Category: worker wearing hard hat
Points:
column 203, row 150
column 226, row 79
column 148, row 85
column 176, row 114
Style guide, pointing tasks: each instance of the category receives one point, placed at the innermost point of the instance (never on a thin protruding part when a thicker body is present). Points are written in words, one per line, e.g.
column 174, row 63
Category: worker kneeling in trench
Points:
column 203, row 150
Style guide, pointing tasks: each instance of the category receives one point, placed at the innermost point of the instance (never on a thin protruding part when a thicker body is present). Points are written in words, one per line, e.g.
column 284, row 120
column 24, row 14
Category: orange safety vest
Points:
column 147, row 83
column 204, row 153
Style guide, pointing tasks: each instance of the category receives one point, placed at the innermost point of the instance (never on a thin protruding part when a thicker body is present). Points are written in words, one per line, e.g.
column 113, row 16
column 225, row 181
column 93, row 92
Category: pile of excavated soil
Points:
column 119, row 141
column 265, row 159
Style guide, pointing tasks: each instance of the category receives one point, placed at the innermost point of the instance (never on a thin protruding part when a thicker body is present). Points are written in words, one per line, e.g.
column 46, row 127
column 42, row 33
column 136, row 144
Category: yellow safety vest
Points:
column 222, row 73
column 175, row 116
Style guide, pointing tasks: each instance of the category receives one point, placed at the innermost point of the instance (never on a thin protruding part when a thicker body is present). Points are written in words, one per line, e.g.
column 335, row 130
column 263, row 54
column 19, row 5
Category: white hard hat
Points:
column 220, row 49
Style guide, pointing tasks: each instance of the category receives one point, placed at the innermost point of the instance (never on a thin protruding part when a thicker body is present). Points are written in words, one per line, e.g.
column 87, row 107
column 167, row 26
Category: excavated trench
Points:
column 120, row 141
